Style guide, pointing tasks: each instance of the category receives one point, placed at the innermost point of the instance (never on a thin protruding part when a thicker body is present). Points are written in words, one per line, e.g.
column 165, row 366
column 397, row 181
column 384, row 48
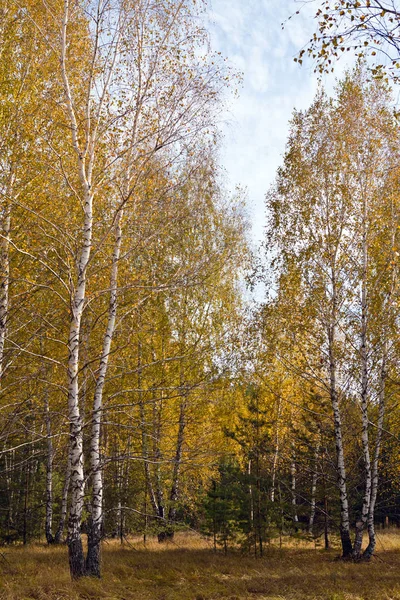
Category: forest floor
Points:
column 187, row 569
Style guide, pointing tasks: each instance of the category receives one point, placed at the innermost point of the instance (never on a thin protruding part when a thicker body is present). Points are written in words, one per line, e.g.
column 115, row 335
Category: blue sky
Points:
column 250, row 34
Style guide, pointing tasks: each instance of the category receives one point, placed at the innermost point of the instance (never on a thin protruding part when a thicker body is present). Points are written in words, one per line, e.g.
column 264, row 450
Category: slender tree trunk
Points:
column 4, row 280
column 214, row 484
column 162, row 536
column 156, row 495
column 251, row 503
column 64, row 504
column 259, row 512
column 282, row 519
column 145, row 445
column 342, row 481
column 313, row 491
column 95, row 525
column 293, row 492
column 341, row 468
column 362, row 521
column 145, row 454
column 177, row 466
column 28, row 466
column 159, row 492
column 276, row 451
column 326, row 522
column 49, row 474
column 9, row 468
column 369, row 551
column 85, row 161
column 118, row 531
column 145, row 516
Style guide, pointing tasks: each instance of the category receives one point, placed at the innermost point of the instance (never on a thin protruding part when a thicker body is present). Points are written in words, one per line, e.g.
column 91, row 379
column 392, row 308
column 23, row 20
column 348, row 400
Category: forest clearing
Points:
column 189, row 570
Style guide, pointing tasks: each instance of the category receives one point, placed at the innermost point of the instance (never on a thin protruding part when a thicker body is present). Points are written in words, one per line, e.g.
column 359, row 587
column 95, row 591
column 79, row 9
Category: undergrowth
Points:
column 188, row 569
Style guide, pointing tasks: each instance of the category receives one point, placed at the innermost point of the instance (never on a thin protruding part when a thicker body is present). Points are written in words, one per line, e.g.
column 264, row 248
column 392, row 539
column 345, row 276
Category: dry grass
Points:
column 189, row 570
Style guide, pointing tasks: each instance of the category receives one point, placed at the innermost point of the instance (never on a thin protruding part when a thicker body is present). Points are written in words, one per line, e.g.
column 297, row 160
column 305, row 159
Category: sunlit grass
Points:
column 188, row 569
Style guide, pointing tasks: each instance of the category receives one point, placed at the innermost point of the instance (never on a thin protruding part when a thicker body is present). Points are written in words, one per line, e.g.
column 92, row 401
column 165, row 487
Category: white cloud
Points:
column 249, row 33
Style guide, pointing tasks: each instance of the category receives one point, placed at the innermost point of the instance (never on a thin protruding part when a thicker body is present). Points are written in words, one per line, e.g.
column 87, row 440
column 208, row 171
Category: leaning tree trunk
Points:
column 96, row 519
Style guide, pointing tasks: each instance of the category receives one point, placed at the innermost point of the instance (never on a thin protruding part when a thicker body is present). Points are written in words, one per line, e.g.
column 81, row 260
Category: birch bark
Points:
column 369, row 551
column 313, row 491
column 361, row 523
column 276, row 451
column 4, row 280
column 293, row 491
column 347, row 547
column 49, row 474
column 95, row 526
column 75, row 548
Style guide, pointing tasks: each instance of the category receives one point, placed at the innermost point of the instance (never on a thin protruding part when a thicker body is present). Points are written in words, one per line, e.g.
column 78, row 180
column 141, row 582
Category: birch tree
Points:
column 131, row 92
column 326, row 237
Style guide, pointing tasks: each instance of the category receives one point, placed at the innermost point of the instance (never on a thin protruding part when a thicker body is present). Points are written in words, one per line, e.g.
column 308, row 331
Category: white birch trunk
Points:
column 293, row 490
column 341, row 468
column 95, row 526
column 49, row 475
column 362, row 521
column 251, row 497
column 313, row 491
column 369, row 551
column 76, row 555
column 276, row 452
column 4, row 281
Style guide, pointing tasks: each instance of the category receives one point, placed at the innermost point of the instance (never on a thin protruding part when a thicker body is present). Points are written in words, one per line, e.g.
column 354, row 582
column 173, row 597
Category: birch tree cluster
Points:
column 121, row 257
column 332, row 243
column 314, row 440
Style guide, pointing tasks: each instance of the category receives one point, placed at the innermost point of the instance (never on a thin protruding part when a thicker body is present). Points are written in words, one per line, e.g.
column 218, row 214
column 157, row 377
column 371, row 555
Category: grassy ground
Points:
column 188, row 570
